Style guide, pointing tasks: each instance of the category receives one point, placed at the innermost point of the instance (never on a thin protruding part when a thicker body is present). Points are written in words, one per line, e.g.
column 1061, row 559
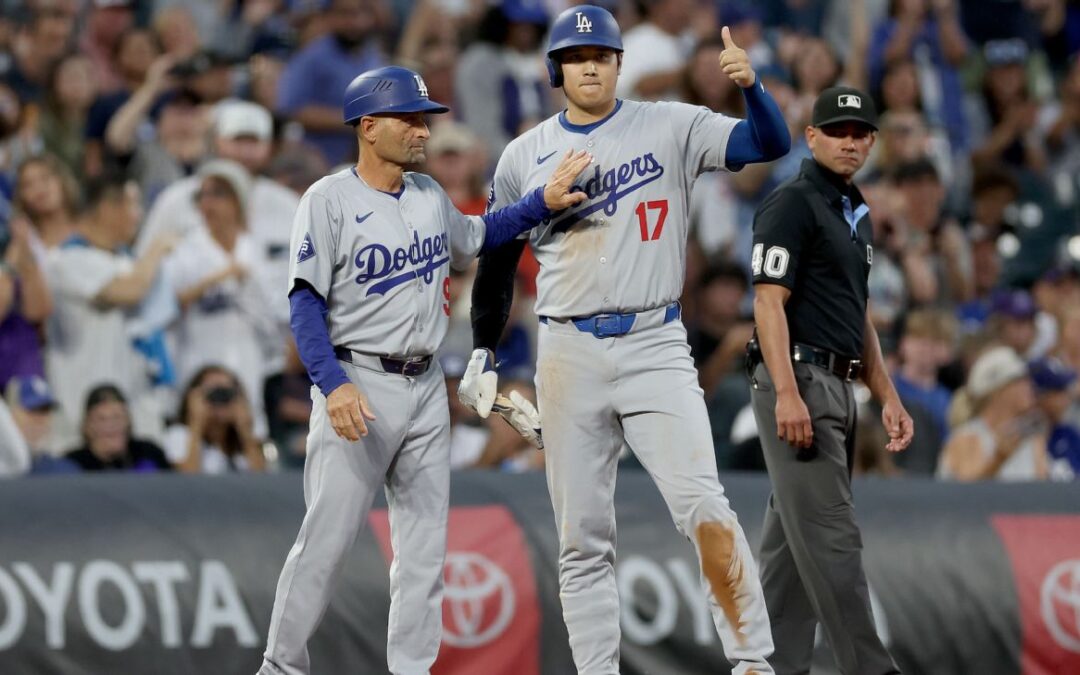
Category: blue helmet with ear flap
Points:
column 580, row 26
column 391, row 89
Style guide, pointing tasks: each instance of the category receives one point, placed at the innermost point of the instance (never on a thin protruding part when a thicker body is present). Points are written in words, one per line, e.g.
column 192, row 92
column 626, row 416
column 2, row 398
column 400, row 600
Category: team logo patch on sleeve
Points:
column 307, row 249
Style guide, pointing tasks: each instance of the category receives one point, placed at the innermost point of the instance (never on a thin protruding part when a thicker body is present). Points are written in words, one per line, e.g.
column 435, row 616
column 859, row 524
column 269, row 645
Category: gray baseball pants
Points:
column 811, row 549
column 642, row 388
column 407, row 452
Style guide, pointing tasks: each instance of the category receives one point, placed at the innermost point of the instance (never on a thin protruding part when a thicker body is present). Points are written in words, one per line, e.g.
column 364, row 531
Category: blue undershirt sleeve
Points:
column 508, row 222
column 761, row 137
column 307, row 318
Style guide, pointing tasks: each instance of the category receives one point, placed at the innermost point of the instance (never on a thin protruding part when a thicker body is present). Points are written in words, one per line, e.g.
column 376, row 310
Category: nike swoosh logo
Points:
column 360, row 219
column 541, row 160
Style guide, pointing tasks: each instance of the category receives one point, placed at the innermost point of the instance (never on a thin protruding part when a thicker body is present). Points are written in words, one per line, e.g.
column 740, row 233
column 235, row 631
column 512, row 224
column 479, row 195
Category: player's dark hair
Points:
column 493, row 27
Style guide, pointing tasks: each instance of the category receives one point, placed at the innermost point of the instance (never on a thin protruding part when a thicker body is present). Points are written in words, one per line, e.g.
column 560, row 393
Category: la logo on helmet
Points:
column 583, row 23
column 420, row 86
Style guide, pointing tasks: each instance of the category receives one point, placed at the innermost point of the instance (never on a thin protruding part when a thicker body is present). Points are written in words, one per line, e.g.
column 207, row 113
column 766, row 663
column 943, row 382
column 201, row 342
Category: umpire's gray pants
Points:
column 811, row 551
column 407, row 452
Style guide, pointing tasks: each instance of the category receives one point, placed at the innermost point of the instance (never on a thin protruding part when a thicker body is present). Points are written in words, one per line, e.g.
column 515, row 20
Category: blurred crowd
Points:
column 152, row 153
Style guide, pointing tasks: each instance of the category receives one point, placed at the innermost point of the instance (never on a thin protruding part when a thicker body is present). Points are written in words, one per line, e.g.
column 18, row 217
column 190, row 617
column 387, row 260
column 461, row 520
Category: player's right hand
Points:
column 793, row 420
column 479, row 383
column 348, row 409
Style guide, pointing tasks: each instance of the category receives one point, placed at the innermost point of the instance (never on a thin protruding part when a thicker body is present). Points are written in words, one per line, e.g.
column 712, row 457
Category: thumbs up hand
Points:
column 735, row 62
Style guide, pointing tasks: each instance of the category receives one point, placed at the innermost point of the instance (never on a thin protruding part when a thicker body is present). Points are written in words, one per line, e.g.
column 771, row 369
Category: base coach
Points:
column 811, row 259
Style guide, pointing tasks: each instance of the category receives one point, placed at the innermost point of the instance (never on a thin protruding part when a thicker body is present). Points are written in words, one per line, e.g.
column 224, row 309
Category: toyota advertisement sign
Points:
column 176, row 574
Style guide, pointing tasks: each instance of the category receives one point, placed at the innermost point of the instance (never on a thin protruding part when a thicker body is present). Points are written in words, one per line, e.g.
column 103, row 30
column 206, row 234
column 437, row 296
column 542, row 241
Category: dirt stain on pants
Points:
column 723, row 570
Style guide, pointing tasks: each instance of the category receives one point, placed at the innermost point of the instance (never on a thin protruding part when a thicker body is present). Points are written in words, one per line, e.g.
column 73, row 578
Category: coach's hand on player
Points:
column 898, row 424
column 793, row 420
column 735, row 62
column 557, row 195
column 348, row 409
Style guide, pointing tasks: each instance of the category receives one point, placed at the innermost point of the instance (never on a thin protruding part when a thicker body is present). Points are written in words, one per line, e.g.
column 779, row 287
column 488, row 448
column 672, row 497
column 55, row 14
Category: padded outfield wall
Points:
column 174, row 574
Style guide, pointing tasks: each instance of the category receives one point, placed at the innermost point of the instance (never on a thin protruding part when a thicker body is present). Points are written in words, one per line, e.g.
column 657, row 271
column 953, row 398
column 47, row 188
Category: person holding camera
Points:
column 215, row 433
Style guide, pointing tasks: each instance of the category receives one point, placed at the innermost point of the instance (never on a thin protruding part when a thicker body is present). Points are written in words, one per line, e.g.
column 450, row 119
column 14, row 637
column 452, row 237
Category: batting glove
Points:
column 522, row 415
column 478, row 385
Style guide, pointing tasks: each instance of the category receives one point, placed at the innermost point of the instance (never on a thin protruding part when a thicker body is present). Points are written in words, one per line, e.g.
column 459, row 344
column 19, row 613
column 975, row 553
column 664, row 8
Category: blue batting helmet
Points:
column 580, row 26
column 391, row 89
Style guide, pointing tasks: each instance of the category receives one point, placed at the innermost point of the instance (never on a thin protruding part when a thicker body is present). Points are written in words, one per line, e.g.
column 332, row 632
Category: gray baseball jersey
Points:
column 380, row 261
column 625, row 248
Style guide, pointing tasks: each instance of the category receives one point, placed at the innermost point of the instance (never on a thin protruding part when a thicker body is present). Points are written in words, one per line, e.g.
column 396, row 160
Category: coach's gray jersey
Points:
column 624, row 249
column 381, row 261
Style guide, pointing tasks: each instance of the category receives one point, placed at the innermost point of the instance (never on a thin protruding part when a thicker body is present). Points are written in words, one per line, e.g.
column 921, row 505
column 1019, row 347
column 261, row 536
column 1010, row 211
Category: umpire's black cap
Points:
column 844, row 104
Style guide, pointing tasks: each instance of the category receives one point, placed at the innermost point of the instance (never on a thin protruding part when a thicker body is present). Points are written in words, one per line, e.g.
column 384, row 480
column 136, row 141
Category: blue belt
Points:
column 614, row 325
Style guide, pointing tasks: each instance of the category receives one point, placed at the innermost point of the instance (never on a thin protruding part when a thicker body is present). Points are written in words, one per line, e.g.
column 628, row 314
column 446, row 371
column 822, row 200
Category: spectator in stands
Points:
column 72, row 87
column 215, row 433
column 38, row 44
column 937, row 258
column 177, row 147
column 887, row 287
column 1013, row 321
column 213, row 272
column 95, row 286
column 1068, row 349
column 501, row 88
column 1059, row 121
column 654, row 51
column 136, row 49
column 905, row 138
column 457, row 160
column 927, row 345
column 311, row 86
column 18, row 137
column 243, row 135
column 32, row 404
column 108, row 444
column 288, row 409
column 47, row 194
column 1000, row 435
column 14, row 454
column 1056, row 396
column 1004, row 120
column 25, row 303
column 720, row 328
column 106, row 22
column 176, row 31
column 929, row 33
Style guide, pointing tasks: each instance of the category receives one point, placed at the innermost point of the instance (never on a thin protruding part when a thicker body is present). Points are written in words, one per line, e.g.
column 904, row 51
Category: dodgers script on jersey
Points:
column 623, row 249
column 377, row 259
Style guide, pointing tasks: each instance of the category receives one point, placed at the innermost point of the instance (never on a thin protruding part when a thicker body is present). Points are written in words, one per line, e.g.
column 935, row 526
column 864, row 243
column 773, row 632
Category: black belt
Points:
column 410, row 367
column 843, row 367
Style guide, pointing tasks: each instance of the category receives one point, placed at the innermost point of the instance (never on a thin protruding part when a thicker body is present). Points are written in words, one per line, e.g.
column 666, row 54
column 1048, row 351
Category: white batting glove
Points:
column 478, row 385
column 522, row 415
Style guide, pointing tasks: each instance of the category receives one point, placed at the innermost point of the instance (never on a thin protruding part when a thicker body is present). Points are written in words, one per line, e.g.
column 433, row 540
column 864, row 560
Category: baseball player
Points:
column 369, row 303
column 613, row 364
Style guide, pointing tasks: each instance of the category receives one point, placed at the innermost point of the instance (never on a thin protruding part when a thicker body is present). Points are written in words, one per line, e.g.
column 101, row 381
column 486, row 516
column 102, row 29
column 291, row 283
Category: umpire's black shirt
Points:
column 803, row 241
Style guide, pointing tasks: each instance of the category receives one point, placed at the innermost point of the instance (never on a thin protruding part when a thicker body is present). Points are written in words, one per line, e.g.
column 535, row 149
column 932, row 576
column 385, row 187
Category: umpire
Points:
column 813, row 337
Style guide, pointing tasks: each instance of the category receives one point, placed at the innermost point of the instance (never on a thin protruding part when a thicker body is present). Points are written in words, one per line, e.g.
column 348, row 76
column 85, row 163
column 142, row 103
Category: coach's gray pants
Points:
column 811, row 550
column 640, row 388
column 407, row 452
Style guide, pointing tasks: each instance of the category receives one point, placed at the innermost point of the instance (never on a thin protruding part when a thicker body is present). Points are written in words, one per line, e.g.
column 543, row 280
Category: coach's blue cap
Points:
column 1051, row 374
